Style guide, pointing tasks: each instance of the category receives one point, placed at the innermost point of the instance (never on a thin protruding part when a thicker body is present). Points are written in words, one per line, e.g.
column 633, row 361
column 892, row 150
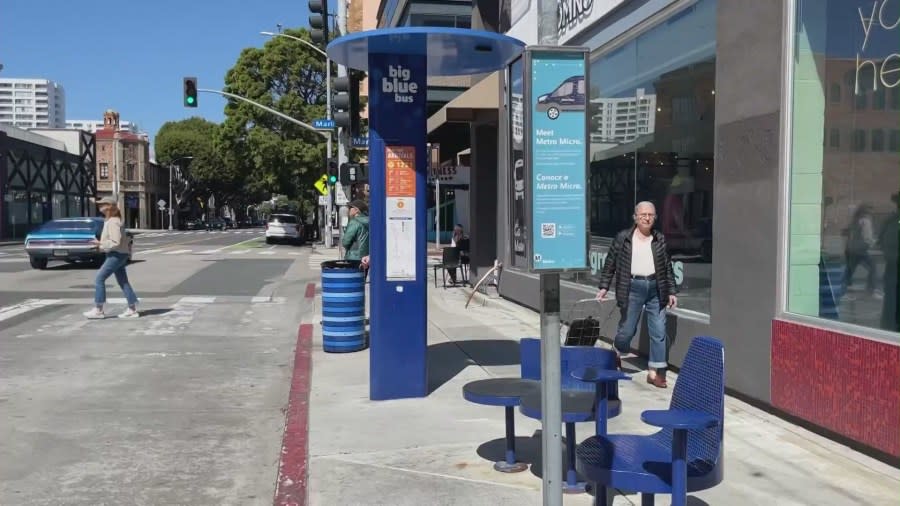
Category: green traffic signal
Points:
column 190, row 92
column 332, row 179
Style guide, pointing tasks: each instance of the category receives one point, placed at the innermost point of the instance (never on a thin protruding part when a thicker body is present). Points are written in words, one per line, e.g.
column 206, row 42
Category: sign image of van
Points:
column 568, row 96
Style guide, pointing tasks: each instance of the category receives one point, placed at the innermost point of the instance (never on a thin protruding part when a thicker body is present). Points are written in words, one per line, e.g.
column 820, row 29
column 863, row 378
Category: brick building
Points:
column 124, row 169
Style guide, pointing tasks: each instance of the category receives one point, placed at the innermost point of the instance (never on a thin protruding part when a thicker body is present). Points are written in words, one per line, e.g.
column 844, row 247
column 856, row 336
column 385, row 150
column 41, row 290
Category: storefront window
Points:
column 844, row 210
column 652, row 134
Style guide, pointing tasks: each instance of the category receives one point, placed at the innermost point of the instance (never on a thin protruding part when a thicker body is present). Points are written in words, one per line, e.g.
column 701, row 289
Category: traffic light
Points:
column 190, row 92
column 318, row 21
column 332, row 172
column 346, row 102
column 354, row 173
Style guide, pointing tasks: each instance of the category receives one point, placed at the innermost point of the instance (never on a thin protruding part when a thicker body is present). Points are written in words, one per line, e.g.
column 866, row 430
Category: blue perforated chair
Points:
column 686, row 455
column 578, row 398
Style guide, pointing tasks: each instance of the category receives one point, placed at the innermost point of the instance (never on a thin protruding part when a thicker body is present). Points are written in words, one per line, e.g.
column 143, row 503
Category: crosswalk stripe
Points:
column 240, row 252
column 29, row 305
column 177, row 252
column 210, row 251
column 267, row 252
column 196, row 300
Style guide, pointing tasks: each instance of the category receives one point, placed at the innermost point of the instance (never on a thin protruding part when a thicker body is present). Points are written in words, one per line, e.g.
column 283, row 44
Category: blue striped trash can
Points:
column 343, row 306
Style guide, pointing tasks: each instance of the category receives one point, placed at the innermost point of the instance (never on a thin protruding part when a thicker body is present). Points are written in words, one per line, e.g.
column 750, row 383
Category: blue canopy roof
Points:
column 451, row 51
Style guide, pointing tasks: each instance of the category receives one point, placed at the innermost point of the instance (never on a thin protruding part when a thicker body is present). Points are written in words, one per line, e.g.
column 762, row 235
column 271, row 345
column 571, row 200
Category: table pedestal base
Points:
column 506, row 467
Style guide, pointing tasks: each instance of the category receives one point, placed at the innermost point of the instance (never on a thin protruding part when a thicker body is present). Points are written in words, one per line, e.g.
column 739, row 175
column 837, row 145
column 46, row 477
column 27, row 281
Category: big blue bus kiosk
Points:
column 398, row 61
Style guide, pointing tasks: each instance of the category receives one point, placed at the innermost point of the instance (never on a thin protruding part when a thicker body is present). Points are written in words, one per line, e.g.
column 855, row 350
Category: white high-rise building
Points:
column 32, row 103
column 622, row 120
column 92, row 125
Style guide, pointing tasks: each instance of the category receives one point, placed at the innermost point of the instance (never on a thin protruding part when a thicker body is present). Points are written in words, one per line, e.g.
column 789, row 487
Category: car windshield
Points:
column 69, row 226
column 283, row 219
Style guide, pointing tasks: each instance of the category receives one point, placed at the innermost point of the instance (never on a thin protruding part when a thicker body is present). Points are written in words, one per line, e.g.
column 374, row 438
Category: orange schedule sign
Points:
column 400, row 171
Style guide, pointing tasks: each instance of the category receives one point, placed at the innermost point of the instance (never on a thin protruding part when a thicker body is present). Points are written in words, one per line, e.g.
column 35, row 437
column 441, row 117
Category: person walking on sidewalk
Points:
column 356, row 236
column 114, row 242
column 645, row 281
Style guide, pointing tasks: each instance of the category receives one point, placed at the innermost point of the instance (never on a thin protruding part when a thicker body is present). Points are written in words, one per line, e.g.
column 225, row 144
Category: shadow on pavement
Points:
column 528, row 449
column 155, row 312
column 446, row 360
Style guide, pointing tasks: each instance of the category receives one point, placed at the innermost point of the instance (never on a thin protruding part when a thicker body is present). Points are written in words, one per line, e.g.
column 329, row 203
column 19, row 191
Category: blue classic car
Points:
column 69, row 240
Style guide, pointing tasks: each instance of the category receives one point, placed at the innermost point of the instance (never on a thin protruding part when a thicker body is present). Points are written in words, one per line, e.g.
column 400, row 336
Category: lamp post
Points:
column 171, row 166
column 328, row 231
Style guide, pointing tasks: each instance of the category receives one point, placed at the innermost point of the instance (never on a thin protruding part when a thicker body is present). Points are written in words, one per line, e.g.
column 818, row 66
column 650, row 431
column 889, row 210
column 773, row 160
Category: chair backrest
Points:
column 701, row 387
column 450, row 256
column 571, row 358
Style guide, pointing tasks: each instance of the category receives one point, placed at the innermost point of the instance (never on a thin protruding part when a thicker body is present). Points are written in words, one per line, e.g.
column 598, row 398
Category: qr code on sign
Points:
column 548, row 230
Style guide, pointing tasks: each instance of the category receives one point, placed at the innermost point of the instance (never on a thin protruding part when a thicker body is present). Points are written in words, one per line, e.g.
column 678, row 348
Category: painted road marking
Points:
column 196, row 300
column 178, row 252
column 29, row 305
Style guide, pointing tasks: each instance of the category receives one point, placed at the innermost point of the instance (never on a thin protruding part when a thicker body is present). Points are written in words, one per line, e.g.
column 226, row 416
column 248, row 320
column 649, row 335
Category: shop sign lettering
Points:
column 887, row 72
column 571, row 12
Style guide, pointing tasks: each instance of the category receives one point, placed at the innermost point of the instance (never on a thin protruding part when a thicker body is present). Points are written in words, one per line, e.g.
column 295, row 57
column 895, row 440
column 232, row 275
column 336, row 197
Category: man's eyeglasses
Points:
column 647, row 216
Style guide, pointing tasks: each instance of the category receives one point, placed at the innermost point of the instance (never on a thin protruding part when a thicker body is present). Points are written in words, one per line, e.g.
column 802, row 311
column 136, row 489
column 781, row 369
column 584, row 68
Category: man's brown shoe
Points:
column 659, row 381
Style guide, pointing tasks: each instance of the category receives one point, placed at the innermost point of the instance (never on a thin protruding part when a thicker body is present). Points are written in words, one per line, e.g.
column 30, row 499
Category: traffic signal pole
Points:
column 343, row 132
column 329, row 239
column 329, row 234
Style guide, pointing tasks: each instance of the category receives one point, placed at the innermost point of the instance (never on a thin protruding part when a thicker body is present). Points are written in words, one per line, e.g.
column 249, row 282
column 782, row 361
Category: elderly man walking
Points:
column 644, row 280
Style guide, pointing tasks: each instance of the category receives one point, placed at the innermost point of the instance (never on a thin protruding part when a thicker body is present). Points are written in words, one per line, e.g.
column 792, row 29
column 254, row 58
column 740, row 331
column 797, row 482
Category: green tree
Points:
column 206, row 174
column 275, row 155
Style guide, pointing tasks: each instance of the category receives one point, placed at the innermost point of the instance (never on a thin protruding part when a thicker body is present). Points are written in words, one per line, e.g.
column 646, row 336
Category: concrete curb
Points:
column 291, row 488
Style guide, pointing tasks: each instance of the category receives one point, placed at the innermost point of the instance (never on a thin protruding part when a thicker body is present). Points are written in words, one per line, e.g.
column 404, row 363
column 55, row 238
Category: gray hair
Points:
column 644, row 203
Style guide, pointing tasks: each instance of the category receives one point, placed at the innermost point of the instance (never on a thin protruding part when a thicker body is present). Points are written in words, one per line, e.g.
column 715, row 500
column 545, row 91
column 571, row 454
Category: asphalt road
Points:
column 181, row 406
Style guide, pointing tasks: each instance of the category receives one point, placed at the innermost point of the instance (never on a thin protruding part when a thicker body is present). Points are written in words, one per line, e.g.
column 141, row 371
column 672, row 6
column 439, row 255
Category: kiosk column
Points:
column 397, row 182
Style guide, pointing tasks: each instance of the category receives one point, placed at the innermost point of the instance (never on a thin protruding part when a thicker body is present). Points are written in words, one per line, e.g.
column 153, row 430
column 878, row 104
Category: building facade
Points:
column 32, row 103
column 775, row 173
column 124, row 169
column 43, row 178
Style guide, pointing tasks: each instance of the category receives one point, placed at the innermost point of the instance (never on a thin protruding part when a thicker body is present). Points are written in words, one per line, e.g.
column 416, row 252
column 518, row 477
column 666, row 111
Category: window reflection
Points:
column 652, row 112
column 844, row 265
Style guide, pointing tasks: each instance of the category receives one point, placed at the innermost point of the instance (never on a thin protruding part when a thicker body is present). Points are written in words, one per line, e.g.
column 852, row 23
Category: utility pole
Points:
column 329, row 240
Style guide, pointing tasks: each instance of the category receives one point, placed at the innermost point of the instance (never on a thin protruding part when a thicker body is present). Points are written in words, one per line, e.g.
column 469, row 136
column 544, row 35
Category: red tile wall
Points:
column 843, row 383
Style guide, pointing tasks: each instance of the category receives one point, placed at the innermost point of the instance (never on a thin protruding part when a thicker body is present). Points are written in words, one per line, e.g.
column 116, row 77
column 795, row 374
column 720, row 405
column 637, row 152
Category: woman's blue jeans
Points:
column 644, row 296
column 115, row 264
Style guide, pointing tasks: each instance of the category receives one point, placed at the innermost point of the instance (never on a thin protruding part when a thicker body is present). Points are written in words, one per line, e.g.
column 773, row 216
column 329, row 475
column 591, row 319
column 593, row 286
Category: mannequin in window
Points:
column 673, row 212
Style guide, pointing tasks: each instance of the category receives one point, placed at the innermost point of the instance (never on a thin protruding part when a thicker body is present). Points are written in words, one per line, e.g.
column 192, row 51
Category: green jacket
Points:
column 356, row 238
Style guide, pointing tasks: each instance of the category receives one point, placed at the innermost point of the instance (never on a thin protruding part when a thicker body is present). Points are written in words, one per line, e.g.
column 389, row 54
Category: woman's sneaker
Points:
column 95, row 314
column 129, row 313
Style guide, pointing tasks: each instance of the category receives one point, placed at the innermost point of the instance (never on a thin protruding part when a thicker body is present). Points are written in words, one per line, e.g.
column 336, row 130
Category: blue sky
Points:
column 132, row 55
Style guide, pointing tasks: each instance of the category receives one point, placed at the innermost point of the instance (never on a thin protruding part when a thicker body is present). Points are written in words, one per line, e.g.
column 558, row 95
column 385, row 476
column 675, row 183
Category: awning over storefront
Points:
column 483, row 97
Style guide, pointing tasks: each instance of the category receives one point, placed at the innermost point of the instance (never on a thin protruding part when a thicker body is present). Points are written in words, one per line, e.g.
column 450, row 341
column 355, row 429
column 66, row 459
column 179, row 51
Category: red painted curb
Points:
column 293, row 469
column 310, row 290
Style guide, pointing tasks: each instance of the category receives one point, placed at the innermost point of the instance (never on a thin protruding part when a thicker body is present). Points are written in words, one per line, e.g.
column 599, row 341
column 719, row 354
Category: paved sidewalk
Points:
column 439, row 450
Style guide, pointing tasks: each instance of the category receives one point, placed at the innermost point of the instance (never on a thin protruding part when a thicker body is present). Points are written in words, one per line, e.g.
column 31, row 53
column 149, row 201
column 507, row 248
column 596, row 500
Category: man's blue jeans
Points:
column 115, row 264
column 644, row 296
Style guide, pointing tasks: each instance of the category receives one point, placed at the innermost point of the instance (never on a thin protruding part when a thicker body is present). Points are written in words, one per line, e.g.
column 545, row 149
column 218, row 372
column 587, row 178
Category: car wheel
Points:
column 38, row 263
column 268, row 240
column 553, row 113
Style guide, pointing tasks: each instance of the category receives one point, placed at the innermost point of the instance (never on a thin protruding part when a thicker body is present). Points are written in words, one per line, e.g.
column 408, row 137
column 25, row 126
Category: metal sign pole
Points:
column 556, row 209
column 551, row 409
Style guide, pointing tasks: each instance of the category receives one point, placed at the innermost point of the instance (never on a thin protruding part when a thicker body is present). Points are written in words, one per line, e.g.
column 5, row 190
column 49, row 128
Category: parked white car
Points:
column 284, row 227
